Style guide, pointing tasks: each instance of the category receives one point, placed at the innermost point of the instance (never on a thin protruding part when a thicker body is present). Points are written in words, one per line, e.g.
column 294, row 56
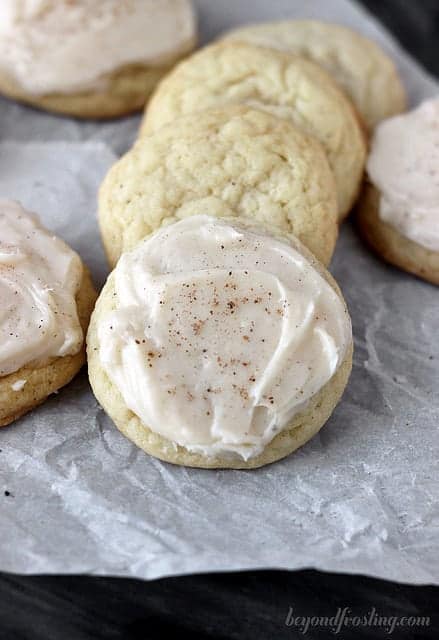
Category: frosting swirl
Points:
column 220, row 335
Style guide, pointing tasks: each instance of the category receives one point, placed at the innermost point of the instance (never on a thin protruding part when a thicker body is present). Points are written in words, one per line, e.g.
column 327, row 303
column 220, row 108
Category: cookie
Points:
column 25, row 389
column 390, row 244
column 363, row 70
column 190, row 373
column 282, row 84
column 398, row 213
column 61, row 56
column 47, row 298
column 235, row 161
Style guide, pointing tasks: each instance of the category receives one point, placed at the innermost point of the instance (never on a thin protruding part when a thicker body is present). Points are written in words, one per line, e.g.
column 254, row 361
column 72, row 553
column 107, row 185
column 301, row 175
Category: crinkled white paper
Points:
column 361, row 497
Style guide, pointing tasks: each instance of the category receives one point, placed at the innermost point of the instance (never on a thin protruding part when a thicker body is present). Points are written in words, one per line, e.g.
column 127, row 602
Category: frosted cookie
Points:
column 235, row 162
column 217, row 344
column 398, row 214
column 46, row 300
column 90, row 58
column 286, row 86
column 360, row 67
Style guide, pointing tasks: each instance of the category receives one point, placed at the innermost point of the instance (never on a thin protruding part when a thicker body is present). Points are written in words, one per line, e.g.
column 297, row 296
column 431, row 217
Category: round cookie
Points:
column 399, row 212
column 390, row 244
column 230, row 162
column 45, row 380
column 302, row 427
column 360, row 67
column 287, row 86
column 91, row 58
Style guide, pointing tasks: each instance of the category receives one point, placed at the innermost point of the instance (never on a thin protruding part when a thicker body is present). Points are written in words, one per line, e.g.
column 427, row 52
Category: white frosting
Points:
column 39, row 279
column 404, row 166
column 220, row 335
column 69, row 45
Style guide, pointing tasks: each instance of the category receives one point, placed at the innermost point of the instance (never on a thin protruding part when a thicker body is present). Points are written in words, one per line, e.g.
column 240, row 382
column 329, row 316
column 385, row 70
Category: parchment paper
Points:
column 361, row 497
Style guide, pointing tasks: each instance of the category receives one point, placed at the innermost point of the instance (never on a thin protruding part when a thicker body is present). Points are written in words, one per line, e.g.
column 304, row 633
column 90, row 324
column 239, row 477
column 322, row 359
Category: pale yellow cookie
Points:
column 230, row 162
column 361, row 68
column 23, row 390
column 285, row 85
column 390, row 244
column 301, row 429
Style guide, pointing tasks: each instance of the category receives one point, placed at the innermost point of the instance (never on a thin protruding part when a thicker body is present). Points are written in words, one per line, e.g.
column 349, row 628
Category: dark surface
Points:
column 415, row 23
column 234, row 606
column 247, row 605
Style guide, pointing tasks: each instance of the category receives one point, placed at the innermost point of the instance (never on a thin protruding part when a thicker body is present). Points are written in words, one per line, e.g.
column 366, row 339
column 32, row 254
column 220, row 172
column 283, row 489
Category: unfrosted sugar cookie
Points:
column 235, row 161
column 46, row 300
column 398, row 213
column 216, row 343
column 360, row 67
column 282, row 84
column 90, row 58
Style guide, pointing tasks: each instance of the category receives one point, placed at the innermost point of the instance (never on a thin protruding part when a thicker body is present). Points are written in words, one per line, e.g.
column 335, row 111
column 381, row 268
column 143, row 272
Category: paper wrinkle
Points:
column 361, row 497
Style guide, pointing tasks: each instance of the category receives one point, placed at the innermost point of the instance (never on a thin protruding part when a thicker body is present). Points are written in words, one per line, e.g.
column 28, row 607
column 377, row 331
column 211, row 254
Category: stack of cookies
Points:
column 220, row 340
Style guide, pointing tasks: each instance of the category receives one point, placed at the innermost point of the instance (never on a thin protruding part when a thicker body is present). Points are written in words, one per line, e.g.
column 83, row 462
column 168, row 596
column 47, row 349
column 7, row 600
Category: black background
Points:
column 249, row 605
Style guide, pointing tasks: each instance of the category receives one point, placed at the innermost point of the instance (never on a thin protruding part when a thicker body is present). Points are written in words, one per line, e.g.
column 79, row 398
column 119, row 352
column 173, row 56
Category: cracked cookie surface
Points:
column 235, row 161
column 359, row 66
column 285, row 85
